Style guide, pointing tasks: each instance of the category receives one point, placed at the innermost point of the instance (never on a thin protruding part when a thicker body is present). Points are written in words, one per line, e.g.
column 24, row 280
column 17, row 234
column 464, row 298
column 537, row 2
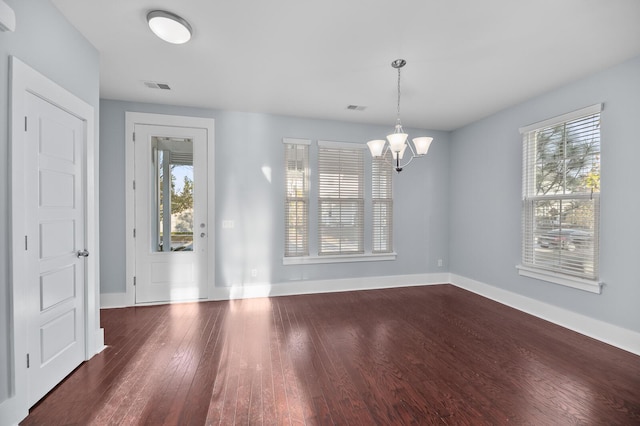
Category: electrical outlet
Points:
column 439, row 263
column 254, row 273
column 228, row 224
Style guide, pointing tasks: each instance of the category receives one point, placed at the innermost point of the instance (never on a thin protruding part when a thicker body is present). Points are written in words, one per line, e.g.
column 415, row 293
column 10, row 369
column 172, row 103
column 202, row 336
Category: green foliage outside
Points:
column 183, row 200
column 567, row 162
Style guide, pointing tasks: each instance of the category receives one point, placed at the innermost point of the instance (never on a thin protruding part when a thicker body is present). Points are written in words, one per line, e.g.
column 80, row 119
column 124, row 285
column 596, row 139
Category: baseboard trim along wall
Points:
column 292, row 288
column 113, row 300
column 617, row 336
column 622, row 338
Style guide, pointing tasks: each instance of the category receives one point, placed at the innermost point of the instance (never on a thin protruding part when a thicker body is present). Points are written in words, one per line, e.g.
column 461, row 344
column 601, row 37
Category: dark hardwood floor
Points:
column 421, row 355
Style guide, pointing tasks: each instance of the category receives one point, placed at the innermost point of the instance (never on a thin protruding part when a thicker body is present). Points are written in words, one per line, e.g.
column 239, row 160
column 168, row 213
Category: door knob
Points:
column 83, row 253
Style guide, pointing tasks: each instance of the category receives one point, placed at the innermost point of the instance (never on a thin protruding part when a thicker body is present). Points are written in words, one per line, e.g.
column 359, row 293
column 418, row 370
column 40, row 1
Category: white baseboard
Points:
column 608, row 333
column 113, row 300
column 99, row 341
column 291, row 288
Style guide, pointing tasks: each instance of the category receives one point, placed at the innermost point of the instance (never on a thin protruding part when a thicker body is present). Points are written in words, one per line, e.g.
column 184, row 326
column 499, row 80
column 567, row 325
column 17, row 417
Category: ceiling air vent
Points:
column 156, row 85
column 356, row 107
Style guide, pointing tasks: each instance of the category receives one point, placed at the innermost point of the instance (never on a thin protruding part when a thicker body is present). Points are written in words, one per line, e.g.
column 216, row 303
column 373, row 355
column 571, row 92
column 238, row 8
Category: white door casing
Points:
column 25, row 82
column 55, row 222
column 165, row 276
column 206, row 286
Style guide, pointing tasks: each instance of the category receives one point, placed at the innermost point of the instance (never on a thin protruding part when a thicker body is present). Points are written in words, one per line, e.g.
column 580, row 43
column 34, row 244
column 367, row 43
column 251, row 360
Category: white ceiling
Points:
column 466, row 59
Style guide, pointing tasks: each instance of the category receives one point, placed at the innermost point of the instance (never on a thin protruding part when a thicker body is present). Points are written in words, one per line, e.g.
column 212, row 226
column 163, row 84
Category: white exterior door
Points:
column 55, row 244
column 171, row 232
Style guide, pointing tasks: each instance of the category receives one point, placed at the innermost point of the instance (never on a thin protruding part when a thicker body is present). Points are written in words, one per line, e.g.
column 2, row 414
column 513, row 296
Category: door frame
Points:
column 25, row 79
column 131, row 119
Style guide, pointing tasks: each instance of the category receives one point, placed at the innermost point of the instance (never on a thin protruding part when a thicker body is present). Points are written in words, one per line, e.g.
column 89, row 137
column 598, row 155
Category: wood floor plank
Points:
column 146, row 377
column 200, row 393
column 421, row 355
column 194, row 351
column 296, row 402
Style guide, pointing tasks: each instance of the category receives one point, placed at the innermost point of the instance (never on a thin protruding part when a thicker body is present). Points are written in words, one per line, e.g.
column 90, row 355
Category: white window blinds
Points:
column 340, row 199
column 382, row 204
column 561, row 194
column 296, row 227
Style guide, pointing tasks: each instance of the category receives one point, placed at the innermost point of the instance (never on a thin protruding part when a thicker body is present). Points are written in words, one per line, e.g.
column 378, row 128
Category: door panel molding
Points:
column 25, row 79
column 56, row 231
column 136, row 118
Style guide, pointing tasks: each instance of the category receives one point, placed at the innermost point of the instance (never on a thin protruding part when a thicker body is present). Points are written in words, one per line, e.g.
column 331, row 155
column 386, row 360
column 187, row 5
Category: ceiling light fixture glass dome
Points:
column 169, row 26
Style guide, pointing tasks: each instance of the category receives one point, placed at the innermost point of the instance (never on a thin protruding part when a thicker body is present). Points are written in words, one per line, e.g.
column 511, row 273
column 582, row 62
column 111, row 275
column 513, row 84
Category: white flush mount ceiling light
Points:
column 398, row 139
column 169, row 26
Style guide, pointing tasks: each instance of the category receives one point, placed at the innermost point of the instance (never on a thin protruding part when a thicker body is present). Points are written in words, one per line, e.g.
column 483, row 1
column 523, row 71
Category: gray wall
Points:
column 485, row 197
column 244, row 144
column 48, row 43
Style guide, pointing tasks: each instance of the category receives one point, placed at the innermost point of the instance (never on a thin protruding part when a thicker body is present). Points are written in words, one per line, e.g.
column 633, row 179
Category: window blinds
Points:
column 561, row 194
column 340, row 199
column 296, row 241
column 382, row 203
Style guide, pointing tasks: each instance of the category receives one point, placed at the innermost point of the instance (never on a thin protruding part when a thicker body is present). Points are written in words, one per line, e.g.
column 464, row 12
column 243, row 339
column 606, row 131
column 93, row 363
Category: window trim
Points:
column 570, row 116
column 566, row 279
column 341, row 258
column 559, row 278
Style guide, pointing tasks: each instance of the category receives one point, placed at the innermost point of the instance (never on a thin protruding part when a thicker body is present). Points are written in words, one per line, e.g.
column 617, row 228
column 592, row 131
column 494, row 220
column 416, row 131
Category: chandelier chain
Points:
column 398, row 118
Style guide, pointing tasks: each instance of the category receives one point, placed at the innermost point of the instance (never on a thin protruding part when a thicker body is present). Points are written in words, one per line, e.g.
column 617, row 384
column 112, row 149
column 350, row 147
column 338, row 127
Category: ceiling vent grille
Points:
column 356, row 107
column 156, row 85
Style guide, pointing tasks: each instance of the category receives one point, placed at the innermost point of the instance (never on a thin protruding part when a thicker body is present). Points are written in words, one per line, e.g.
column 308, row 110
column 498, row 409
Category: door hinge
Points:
column 25, row 123
column 25, row 242
column 134, row 281
column 134, row 232
column 27, row 360
column 134, row 136
column 134, row 184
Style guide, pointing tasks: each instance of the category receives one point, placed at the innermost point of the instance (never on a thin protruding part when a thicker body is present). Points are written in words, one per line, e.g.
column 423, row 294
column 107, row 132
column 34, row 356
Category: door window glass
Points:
column 172, row 221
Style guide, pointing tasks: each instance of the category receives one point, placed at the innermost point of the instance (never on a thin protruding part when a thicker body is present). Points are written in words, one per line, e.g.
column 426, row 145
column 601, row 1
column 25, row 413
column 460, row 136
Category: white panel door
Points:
column 170, row 213
column 55, row 244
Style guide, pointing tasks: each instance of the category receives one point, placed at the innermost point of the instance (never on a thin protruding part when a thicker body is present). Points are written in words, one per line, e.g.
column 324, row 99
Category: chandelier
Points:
column 398, row 139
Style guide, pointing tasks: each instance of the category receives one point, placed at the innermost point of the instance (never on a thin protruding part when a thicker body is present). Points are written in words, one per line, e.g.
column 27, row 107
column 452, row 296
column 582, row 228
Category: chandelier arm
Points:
column 402, row 166
column 384, row 157
column 413, row 153
column 396, row 164
column 399, row 167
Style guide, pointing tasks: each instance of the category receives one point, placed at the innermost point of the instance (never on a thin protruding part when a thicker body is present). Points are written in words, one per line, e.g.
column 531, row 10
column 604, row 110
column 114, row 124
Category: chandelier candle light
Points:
column 398, row 139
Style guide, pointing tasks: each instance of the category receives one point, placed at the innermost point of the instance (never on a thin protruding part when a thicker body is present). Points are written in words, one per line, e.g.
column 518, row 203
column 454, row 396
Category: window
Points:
column 561, row 199
column 352, row 199
column 172, row 160
column 382, row 200
column 340, row 199
column 296, row 209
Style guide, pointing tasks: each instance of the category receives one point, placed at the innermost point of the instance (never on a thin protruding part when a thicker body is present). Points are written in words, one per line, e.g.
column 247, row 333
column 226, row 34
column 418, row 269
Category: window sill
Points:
column 562, row 279
column 311, row 260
